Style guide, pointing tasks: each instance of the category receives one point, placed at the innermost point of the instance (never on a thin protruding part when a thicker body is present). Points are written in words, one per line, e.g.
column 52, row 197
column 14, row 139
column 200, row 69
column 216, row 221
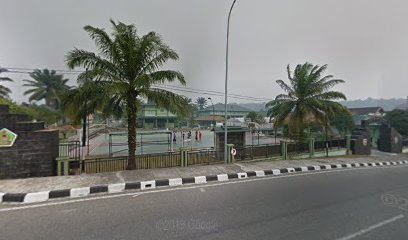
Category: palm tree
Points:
column 47, row 85
column 79, row 102
column 127, row 66
column 201, row 102
column 4, row 91
column 308, row 96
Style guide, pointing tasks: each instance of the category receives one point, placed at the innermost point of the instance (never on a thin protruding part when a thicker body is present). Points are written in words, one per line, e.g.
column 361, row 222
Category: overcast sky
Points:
column 364, row 42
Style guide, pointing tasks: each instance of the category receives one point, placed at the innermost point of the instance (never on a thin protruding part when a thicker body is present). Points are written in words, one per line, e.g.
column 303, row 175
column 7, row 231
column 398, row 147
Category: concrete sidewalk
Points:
column 28, row 185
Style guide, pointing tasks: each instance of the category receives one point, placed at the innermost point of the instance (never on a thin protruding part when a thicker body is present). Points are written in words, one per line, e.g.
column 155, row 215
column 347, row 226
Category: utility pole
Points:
column 226, row 87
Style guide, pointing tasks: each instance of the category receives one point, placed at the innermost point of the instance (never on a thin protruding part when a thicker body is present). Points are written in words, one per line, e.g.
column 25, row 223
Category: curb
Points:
column 147, row 185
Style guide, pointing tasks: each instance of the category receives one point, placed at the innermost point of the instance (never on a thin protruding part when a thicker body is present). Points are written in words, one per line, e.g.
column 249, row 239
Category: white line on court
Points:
column 372, row 227
column 135, row 194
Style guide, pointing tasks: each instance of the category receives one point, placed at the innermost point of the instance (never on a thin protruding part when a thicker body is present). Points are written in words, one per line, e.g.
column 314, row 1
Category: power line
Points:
column 169, row 87
column 211, row 94
column 215, row 92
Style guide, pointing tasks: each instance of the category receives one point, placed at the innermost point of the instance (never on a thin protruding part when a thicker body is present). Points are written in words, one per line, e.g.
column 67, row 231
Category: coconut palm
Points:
column 4, row 91
column 201, row 102
column 308, row 97
column 47, row 85
column 127, row 66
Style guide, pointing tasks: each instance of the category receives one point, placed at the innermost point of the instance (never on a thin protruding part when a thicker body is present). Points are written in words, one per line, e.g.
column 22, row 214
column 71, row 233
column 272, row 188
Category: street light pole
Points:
column 213, row 121
column 226, row 86
column 213, row 111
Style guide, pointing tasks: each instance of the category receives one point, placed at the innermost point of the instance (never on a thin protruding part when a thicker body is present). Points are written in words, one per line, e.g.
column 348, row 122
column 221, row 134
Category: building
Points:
column 151, row 116
column 209, row 120
column 366, row 113
column 208, row 115
column 371, row 119
column 234, row 111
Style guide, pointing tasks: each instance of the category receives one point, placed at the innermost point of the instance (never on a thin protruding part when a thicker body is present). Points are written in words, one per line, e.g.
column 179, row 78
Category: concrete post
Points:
column 63, row 166
column 311, row 147
column 59, row 168
column 284, row 149
column 66, row 167
column 230, row 157
column 183, row 157
column 348, row 144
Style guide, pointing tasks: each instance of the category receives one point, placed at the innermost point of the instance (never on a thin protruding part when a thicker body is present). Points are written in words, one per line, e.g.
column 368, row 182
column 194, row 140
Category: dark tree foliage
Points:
column 343, row 122
column 399, row 120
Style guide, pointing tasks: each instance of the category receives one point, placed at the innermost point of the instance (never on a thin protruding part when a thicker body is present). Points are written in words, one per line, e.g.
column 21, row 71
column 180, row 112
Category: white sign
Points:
column 396, row 140
column 233, row 152
column 365, row 141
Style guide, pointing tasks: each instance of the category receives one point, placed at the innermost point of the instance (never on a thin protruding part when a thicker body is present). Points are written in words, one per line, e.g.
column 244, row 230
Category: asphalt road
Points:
column 343, row 204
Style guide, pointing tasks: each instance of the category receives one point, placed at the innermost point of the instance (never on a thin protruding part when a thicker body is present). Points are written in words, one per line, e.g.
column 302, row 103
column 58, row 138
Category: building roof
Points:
column 231, row 129
column 366, row 110
column 210, row 118
column 221, row 107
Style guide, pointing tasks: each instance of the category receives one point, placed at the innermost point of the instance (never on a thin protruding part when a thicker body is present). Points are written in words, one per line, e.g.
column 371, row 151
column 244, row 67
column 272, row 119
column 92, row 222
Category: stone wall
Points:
column 33, row 153
column 390, row 140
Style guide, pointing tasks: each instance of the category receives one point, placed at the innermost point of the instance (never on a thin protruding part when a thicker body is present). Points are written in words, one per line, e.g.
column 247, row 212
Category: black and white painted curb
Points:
column 146, row 185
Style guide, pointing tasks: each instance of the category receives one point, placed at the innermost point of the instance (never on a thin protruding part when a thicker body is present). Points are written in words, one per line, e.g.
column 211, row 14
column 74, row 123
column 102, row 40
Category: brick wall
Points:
column 33, row 153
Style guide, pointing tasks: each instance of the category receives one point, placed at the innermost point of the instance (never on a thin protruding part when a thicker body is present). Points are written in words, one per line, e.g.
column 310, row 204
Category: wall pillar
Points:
column 230, row 157
column 348, row 144
column 183, row 157
column 311, row 147
column 284, row 149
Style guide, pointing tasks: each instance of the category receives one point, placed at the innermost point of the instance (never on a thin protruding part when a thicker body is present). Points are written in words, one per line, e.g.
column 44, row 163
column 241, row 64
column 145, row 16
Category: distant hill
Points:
column 386, row 104
column 256, row 107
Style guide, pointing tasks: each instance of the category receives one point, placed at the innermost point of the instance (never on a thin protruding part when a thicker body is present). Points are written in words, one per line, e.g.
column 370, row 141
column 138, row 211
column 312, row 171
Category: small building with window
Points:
column 233, row 111
column 151, row 116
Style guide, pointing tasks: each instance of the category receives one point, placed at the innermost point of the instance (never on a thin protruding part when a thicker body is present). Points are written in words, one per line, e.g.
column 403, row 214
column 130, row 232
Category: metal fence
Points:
column 196, row 157
column 332, row 144
column 207, row 156
column 71, row 149
column 258, row 151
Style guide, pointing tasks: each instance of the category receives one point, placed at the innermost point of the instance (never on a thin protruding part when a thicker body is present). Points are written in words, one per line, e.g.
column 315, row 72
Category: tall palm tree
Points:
column 127, row 66
column 201, row 102
column 307, row 96
column 47, row 85
column 4, row 91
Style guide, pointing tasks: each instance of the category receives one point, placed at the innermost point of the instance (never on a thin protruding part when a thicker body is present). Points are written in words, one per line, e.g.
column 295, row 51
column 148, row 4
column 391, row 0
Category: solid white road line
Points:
column 372, row 227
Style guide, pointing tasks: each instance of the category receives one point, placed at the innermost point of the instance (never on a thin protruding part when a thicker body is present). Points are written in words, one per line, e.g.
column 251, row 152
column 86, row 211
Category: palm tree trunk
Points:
column 131, row 112
column 327, row 138
column 84, row 130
